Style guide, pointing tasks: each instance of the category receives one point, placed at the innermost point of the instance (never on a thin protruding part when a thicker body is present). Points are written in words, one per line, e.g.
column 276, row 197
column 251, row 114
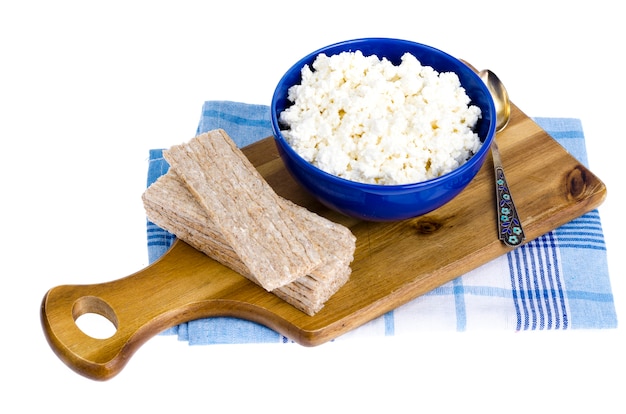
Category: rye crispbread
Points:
column 171, row 204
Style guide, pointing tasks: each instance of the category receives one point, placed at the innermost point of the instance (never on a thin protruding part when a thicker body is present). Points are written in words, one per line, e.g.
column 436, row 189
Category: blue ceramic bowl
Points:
column 386, row 202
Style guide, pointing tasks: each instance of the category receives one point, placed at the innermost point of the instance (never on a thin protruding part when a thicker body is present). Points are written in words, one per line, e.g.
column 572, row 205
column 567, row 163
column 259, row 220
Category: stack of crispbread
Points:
column 215, row 200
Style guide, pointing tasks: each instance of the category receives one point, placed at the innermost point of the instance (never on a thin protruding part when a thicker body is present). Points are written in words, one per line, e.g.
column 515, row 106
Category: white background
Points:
column 86, row 88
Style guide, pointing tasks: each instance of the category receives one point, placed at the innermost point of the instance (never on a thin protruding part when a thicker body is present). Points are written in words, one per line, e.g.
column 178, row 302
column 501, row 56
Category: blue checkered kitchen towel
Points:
column 558, row 281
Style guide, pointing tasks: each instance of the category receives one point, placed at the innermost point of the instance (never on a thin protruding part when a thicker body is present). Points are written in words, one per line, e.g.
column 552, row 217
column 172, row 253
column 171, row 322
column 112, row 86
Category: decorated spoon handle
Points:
column 510, row 229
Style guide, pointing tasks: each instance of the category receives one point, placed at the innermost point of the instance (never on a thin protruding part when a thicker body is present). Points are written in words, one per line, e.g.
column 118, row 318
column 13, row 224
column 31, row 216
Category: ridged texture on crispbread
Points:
column 215, row 200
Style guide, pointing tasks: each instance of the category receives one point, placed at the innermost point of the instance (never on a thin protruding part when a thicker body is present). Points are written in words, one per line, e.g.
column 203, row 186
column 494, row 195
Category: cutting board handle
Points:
column 181, row 286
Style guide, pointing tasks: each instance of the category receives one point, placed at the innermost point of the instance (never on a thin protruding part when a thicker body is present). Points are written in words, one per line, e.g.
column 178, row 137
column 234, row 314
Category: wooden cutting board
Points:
column 394, row 262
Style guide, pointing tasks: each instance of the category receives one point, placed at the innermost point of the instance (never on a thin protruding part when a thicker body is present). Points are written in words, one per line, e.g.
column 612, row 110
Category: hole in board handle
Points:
column 95, row 317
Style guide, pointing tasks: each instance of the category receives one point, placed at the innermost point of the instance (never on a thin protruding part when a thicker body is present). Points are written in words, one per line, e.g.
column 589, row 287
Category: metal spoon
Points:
column 510, row 229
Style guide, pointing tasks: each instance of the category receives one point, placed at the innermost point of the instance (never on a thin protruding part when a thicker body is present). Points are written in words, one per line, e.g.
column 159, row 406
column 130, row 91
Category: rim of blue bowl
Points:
column 490, row 135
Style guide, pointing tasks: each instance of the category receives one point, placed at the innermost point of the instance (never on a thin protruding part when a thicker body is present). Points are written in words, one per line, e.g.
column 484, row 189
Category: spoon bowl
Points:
column 500, row 98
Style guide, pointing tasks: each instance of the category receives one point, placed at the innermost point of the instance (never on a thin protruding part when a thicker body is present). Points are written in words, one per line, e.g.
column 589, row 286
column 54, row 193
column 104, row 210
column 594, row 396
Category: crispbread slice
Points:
column 262, row 233
column 170, row 205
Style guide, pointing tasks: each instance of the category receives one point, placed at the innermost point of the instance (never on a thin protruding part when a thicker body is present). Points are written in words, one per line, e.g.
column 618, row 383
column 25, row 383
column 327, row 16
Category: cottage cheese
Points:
column 364, row 119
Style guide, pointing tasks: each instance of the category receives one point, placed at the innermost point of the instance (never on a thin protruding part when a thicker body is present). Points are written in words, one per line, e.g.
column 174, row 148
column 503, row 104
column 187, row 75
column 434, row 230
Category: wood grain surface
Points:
column 394, row 262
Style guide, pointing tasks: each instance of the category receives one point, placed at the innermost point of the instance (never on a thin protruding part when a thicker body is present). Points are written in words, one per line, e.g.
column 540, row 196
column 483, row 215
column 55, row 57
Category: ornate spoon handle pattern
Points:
column 510, row 229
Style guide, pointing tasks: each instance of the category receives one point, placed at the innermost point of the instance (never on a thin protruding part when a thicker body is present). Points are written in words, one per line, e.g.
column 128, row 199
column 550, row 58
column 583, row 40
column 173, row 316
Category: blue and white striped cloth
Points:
column 558, row 281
